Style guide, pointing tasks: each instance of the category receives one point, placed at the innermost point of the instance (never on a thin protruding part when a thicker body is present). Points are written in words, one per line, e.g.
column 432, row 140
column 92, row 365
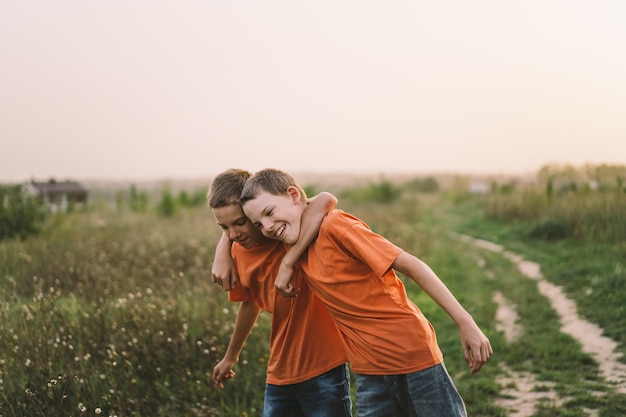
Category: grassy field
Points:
column 112, row 312
column 578, row 236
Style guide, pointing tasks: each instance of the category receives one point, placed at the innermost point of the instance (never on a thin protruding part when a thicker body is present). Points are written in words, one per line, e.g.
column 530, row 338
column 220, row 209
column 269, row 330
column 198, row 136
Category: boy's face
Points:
column 278, row 216
column 238, row 227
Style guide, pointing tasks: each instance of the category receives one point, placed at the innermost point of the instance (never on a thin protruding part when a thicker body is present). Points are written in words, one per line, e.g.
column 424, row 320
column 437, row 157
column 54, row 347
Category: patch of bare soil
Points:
column 506, row 318
column 520, row 390
column 520, row 393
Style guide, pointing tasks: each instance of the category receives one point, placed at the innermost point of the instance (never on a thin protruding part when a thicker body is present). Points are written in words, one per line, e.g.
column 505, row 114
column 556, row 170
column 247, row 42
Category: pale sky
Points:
column 148, row 89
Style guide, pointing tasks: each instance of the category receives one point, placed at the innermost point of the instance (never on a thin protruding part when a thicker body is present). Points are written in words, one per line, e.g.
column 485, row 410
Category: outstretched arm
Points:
column 223, row 270
column 317, row 208
column 476, row 346
column 246, row 317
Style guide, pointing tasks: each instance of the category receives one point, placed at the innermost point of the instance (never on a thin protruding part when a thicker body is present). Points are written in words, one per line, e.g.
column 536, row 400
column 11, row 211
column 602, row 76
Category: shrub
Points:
column 381, row 192
column 426, row 185
column 196, row 199
column 138, row 200
column 551, row 229
column 20, row 214
column 167, row 204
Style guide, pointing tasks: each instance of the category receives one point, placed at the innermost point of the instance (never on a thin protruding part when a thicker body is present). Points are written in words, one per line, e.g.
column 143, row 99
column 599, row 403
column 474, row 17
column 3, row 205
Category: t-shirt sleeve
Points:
column 366, row 245
column 240, row 294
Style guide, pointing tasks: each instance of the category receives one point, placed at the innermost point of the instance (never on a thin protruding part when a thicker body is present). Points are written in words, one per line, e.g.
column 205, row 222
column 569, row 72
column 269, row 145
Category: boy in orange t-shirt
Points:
column 391, row 346
column 306, row 372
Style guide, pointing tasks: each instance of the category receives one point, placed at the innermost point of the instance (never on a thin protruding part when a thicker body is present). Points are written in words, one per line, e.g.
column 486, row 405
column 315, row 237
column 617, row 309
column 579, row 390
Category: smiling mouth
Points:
column 280, row 231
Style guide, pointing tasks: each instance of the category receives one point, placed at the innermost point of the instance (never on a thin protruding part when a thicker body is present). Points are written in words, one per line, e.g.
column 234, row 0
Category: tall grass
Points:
column 108, row 314
column 587, row 203
column 114, row 313
column 590, row 215
column 578, row 236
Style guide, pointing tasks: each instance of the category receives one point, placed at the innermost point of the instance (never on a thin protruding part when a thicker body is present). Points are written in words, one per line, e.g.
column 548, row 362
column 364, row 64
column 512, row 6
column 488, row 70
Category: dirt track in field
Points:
column 520, row 388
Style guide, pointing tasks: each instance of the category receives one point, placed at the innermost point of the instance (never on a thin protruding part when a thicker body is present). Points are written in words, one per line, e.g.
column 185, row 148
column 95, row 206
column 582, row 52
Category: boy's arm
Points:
column 317, row 208
column 223, row 270
column 476, row 346
column 246, row 317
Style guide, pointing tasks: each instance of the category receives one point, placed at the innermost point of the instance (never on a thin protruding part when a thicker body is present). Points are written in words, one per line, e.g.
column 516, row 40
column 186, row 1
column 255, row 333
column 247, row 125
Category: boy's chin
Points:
column 290, row 240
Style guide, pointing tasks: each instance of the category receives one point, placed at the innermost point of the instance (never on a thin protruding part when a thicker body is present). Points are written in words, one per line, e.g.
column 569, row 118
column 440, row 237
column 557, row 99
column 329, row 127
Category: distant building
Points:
column 58, row 195
column 479, row 187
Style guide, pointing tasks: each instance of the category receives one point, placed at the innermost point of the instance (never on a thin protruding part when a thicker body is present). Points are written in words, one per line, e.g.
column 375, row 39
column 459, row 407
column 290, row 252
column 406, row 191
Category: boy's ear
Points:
column 294, row 194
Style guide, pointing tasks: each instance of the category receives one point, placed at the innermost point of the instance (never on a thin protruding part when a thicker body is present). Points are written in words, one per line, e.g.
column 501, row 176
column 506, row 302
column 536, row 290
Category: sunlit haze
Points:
column 172, row 89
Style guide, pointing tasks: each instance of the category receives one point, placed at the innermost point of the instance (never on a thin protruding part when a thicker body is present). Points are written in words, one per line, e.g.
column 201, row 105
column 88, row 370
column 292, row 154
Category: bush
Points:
column 20, row 214
column 138, row 200
column 551, row 229
column 167, row 205
column 426, row 185
column 196, row 199
column 381, row 192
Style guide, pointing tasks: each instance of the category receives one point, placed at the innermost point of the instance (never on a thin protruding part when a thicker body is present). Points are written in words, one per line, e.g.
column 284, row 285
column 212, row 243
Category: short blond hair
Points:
column 271, row 180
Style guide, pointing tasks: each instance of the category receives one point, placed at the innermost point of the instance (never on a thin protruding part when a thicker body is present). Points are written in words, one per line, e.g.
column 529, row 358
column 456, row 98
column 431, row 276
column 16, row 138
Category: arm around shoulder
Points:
column 223, row 271
column 318, row 207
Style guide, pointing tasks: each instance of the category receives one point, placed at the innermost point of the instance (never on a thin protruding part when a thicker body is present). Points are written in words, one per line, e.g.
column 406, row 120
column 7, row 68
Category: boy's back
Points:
column 351, row 266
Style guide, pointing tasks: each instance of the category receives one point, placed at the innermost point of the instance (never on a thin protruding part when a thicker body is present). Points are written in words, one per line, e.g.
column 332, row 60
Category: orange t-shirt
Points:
column 304, row 340
column 349, row 268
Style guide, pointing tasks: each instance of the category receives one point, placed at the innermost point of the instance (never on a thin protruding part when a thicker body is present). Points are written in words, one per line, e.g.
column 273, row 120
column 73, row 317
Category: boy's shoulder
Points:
column 340, row 215
column 338, row 219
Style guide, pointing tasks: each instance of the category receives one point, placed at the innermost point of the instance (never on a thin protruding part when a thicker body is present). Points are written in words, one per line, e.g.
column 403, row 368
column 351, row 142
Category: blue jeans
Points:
column 426, row 393
column 326, row 395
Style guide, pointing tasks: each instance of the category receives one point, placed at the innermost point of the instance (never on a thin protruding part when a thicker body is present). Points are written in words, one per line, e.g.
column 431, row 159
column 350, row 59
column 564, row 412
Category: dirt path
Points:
column 520, row 387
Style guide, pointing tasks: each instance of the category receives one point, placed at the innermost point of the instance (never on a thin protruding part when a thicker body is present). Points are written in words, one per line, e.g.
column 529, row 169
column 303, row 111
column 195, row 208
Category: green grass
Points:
column 592, row 272
column 589, row 268
column 116, row 311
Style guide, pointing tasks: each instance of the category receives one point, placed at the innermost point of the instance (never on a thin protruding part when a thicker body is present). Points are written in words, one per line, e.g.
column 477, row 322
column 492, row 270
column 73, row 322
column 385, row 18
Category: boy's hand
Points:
column 224, row 273
column 223, row 370
column 284, row 282
column 476, row 347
